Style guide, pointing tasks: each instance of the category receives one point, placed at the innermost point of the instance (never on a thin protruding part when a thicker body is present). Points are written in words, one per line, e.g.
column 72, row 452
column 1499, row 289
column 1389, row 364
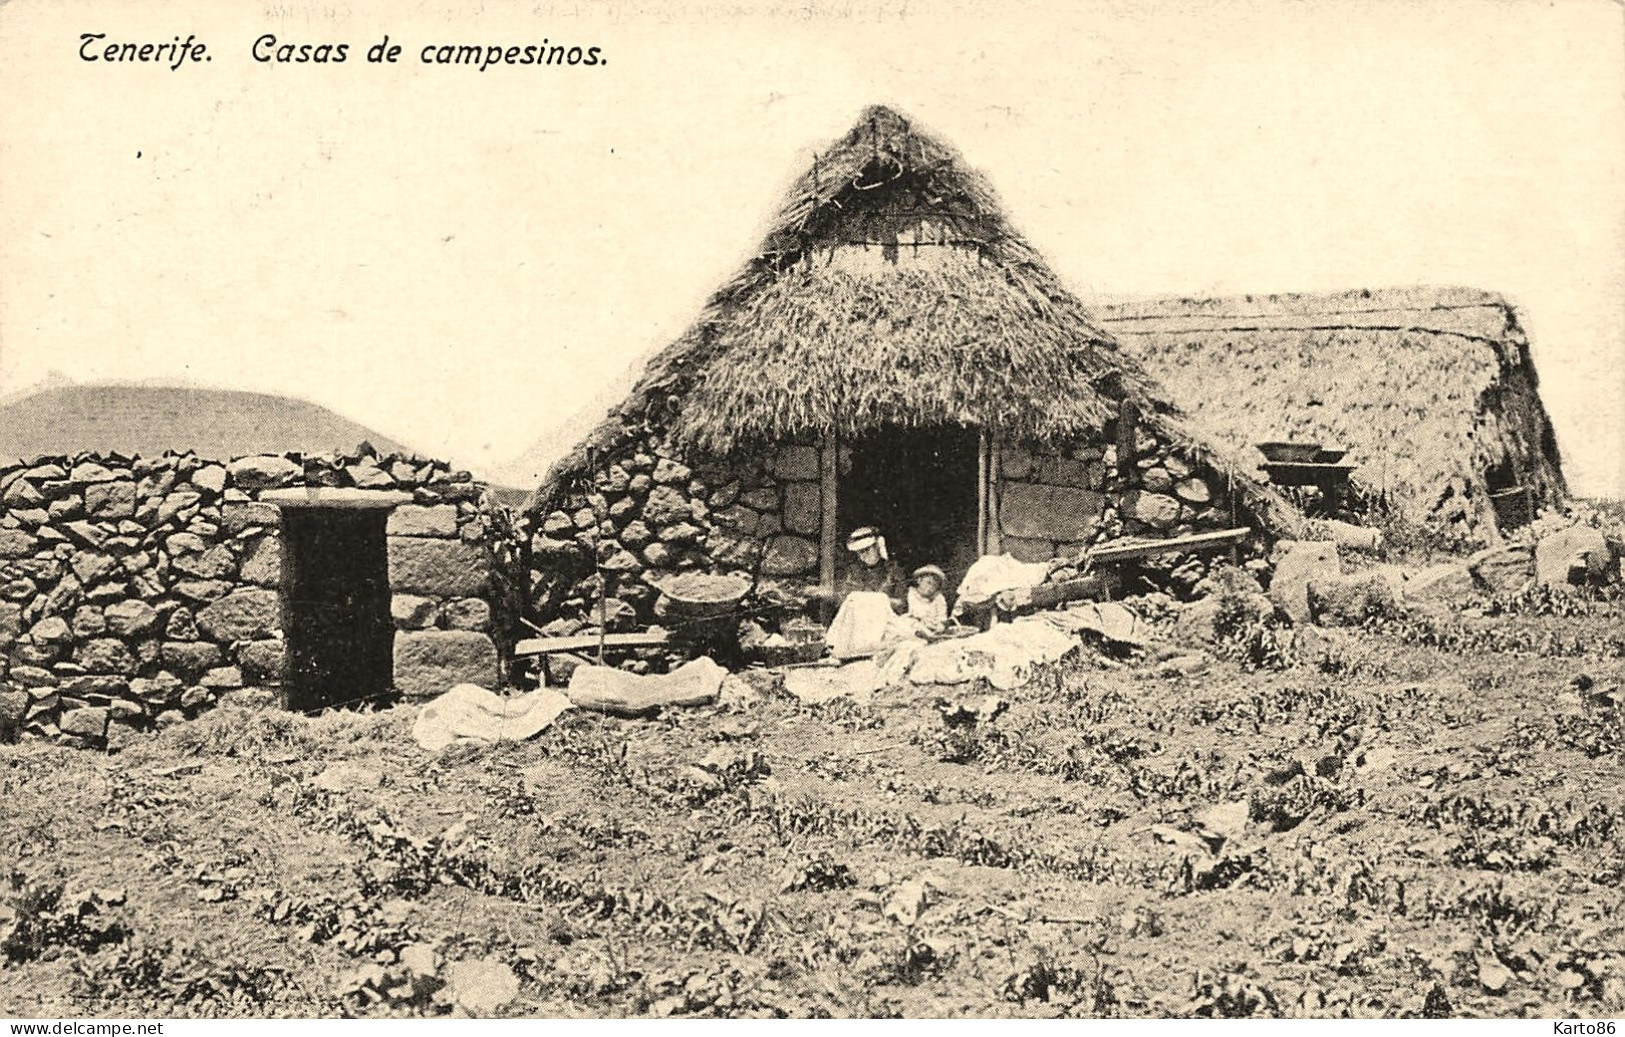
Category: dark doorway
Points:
column 335, row 607
column 919, row 487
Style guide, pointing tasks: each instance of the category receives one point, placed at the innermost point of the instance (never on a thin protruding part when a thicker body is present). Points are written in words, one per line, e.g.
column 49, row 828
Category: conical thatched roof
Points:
column 890, row 290
column 971, row 328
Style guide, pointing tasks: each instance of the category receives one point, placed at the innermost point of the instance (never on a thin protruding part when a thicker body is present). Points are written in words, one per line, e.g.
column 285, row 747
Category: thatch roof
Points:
column 1428, row 388
column 890, row 290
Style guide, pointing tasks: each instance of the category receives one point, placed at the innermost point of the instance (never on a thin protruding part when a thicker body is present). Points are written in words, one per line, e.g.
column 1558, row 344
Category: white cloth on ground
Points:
column 470, row 713
column 865, row 624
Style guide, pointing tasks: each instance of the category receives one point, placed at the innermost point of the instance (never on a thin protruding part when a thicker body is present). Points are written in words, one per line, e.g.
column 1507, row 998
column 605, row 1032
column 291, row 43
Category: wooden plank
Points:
column 1109, row 553
column 829, row 473
column 582, row 642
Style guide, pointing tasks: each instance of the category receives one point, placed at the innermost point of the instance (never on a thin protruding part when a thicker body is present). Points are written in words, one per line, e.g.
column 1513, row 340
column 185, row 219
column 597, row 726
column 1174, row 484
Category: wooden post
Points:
column 1128, row 417
column 982, row 462
column 995, row 540
column 828, row 475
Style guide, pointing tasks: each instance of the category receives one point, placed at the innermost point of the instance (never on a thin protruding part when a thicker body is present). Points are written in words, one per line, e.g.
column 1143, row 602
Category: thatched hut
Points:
column 1431, row 390
column 894, row 353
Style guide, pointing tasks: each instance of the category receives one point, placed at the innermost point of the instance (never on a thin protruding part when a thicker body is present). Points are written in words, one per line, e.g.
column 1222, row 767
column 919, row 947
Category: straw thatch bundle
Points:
column 971, row 328
column 1432, row 390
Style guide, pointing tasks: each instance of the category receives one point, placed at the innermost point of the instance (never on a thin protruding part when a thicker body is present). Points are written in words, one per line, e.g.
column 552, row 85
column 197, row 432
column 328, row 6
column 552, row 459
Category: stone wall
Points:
column 644, row 515
column 136, row 591
column 1056, row 502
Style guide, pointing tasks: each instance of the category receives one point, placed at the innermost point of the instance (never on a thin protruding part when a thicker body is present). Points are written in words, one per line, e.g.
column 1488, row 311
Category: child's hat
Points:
column 930, row 570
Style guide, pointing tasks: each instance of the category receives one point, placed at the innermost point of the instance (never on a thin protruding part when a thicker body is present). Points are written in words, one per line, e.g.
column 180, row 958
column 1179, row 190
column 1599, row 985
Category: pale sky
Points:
column 462, row 259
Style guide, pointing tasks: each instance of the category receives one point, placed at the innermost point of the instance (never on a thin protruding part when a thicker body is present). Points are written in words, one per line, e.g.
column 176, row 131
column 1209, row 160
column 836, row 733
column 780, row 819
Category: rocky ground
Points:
column 1414, row 820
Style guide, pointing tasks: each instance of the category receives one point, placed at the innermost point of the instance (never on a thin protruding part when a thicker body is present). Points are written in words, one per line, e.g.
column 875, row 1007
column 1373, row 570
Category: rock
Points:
column 636, row 535
column 764, row 498
column 248, row 614
column 52, row 630
column 1156, row 510
column 789, row 556
column 263, row 472
column 110, row 500
column 22, row 494
column 261, row 660
column 197, row 698
column 91, row 567
column 659, row 555
column 1577, row 555
column 14, row 543
column 202, row 591
column 176, row 505
column 414, row 520
column 11, row 623
column 222, row 678
column 234, row 518
column 1038, row 512
column 368, row 476
column 1194, row 491
column 671, row 473
column 34, row 677
column 190, row 658
column 1502, row 570
column 430, row 662
column 126, row 710
column 262, row 563
column 1447, row 581
column 679, row 533
column 558, row 524
column 437, row 568
column 169, row 718
column 481, row 987
column 1015, row 462
column 89, row 722
column 724, row 496
column 1348, row 601
column 1298, row 562
column 665, row 506
column 412, row 612
column 466, row 614
column 181, row 625
column 795, row 462
column 1156, row 480
column 803, row 508
column 13, row 708
column 1347, row 536
column 130, row 618
column 1198, row 621
column 210, row 478
column 105, row 655
column 90, row 472
column 214, row 564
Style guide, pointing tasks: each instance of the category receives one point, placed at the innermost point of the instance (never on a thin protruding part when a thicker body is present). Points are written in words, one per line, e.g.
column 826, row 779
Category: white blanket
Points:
column 470, row 713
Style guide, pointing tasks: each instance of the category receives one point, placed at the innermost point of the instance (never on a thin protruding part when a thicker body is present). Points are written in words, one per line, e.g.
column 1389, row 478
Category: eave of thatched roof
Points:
column 1428, row 388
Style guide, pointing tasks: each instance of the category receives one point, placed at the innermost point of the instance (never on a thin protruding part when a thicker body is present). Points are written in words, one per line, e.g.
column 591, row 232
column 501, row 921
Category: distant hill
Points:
column 149, row 419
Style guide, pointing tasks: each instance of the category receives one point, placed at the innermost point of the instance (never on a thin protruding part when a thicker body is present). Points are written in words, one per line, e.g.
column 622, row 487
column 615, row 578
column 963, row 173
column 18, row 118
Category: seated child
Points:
column 926, row 605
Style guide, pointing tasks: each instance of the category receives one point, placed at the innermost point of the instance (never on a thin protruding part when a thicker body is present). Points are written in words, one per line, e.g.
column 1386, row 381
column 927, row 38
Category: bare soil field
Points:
column 1418, row 822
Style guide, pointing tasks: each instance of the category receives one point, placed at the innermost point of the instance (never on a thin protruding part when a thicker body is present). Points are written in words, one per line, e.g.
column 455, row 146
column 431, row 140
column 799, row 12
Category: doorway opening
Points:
column 336, row 622
column 919, row 486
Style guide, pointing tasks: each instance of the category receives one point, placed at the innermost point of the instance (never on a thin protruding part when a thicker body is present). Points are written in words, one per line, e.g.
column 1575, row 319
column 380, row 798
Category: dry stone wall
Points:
column 135, row 591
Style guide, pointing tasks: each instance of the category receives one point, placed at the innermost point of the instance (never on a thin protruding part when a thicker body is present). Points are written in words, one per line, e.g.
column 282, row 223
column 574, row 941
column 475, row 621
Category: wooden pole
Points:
column 995, row 465
column 829, row 531
column 982, row 460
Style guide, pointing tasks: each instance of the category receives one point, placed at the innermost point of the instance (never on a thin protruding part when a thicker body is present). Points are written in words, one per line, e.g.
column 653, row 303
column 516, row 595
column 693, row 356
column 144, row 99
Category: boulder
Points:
column 1038, row 512
column 110, row 500
column 213, row 564
column 1156, row 480
column 412, row 612
column 262, row 563
column 53, row 630
column 210, row 478
column 437, row 568
column 665, row 506
column 1157, row 510
column 22, row 494
column 11, row 623
column 1348, row 601
column 803, row 508
column 637, row 534
column 1298, row 562
column 416, row 520
column 1197, row 620
column 222, row 678
column 89, row 722
column 763, row 498
column 1446, row 581
column 789, row 556
column 671, row 473
column 234, row 518
column 13, row 708
column 1194, row 490
column 261, row 660
column 14, row 543
column 1502, row 570
column 1056, row 470
column 190, row 658
column 466, row 614
column 90, row 472
column 795, row 462
column 1577, row 555
column 248, row 614
column 263, row 471
column 105, row 655
column 202, row 591
column 431, row 662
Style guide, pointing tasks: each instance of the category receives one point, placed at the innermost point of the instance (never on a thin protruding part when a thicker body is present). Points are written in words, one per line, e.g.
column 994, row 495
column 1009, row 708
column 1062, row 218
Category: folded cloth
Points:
column 470, row 713
column 866, row 624
column 994, row 573
column 608, row 690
